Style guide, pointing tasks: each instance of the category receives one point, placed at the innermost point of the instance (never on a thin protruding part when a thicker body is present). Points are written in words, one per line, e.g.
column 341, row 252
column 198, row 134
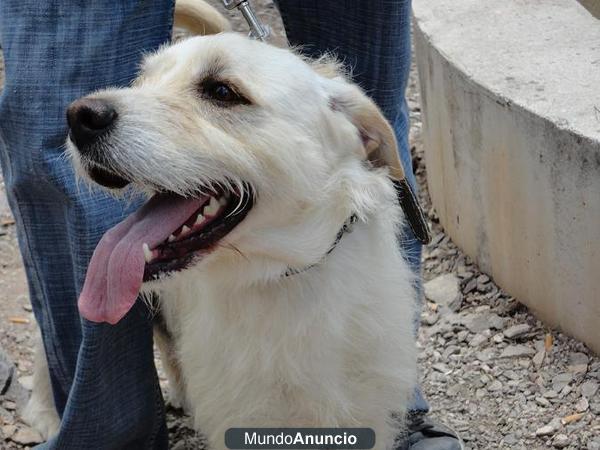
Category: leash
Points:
column 258, row 30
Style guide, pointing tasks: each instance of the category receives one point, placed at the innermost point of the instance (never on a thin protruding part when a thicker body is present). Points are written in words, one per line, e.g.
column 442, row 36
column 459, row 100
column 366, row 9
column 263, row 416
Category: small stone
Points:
column 516, row 351
column 561, row 380
column 27, row 307
column 482, row 322
column 463, row 273
column 470, row 286
column 512, row 375
column 495, row 386
column 451, row 350
column 561, row 441
column 550, row 394
column 582, row 405
column 496, row 321
column 576, row 358
column 444, row 291
column 483, row 278
column 538, row 359
column 6, row 417
column 549, row 429
column 594, row 445
column 517, row 331
column 8, row 431
column 485, row 354
column 27, row 436
column 477, row 340
column 546, row 430
column 498, row 338
column 589, row 389
column 582, row 368
column 441, row 367
column 578, row 362
column 565, row 391
column 9, row 405
column 429, row 318
column 510, row 439
column 542, row 401
column 462, row 335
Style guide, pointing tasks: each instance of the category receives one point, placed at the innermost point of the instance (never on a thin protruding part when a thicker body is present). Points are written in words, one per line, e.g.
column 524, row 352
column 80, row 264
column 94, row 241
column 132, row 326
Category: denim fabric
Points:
column 372, row 38
column 103, row 377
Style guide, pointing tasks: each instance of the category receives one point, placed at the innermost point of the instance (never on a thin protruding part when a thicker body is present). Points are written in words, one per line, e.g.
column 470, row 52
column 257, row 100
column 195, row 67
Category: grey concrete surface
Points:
column 511, row 110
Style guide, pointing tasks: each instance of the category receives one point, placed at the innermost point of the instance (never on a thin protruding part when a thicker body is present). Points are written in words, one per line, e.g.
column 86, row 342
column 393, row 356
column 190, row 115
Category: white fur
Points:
column 331, row 346
column 40, row 412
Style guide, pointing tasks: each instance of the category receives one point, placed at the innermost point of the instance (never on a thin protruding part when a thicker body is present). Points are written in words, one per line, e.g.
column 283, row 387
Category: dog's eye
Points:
column 221, row 92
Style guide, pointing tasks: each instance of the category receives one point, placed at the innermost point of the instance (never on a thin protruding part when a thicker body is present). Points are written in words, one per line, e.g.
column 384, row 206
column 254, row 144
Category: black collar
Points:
column 346, row 228
column 412, row 211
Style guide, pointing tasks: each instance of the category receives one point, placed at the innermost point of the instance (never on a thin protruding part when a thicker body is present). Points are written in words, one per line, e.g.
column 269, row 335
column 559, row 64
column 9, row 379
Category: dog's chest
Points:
column 327, row 353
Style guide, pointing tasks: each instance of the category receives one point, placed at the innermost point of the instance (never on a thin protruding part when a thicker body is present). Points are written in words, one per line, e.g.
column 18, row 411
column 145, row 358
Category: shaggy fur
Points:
column 330, row 346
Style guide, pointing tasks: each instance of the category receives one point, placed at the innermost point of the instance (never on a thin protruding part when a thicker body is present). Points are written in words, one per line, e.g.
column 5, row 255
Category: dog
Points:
column 270, row 237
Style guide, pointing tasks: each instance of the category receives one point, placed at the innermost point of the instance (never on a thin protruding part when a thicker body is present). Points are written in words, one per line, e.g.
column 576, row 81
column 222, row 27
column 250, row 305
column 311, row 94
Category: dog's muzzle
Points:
column 90, row 122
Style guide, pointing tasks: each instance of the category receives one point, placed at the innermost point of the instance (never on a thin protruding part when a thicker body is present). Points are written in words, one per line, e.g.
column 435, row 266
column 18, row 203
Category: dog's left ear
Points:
column 381, row 149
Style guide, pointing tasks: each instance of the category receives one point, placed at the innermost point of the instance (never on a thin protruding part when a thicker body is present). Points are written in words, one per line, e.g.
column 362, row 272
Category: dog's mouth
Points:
column 106, row 178
column 216, row 217
column 166, row 235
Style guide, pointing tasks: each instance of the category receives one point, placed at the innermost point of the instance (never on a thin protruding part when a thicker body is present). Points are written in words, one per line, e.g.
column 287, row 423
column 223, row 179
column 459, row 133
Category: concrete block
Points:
column 511, row 128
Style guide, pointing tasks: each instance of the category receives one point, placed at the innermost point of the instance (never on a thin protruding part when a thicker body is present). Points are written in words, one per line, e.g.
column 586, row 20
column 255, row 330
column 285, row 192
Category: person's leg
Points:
column 103, row 377
column 373, row 40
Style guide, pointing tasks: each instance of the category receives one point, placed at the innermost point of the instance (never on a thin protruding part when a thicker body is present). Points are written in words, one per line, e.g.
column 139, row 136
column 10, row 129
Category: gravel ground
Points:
column 489, row 368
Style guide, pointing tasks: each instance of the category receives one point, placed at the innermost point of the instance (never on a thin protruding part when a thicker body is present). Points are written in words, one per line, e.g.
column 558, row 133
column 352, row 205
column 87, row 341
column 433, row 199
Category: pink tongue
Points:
column 115, row 274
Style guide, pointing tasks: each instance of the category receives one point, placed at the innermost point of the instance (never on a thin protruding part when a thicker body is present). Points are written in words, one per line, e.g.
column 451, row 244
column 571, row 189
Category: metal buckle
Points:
column 258, row 30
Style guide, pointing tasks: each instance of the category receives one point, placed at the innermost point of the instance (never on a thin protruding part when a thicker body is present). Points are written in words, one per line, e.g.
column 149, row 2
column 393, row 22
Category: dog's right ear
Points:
column 380, row 148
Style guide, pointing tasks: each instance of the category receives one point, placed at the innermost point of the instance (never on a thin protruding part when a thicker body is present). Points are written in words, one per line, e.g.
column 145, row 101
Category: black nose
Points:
column 88, row 119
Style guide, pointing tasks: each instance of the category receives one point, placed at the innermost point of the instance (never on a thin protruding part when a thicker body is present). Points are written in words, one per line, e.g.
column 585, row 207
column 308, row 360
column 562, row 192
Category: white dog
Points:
column 259, row 163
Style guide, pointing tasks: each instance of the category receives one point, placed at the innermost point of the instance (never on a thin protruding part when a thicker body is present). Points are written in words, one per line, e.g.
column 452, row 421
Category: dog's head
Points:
column 253, row 155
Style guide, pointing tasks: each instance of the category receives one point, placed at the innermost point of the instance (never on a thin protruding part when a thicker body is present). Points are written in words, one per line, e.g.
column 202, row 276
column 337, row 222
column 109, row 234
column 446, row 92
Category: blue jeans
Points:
column 103, row 377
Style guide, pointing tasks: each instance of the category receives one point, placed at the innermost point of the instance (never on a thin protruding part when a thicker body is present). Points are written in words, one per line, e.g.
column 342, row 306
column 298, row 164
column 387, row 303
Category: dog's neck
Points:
column 346, row 228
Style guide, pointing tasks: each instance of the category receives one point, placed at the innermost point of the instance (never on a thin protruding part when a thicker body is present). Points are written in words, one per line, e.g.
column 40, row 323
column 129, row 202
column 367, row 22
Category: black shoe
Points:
column 426, row 434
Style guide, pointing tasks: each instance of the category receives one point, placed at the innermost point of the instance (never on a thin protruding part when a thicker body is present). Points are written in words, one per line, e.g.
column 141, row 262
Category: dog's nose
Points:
column 89, row 118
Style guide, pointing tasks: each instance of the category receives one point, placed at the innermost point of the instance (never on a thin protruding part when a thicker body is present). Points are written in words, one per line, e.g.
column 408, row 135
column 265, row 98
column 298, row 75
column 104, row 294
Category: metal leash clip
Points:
column 258, row 30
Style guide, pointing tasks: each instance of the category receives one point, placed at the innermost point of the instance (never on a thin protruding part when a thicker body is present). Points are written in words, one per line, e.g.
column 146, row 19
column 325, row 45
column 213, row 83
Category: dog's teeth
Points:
column 222, row 201
column 185, row 230
column 212, row 207
column 147, row 253
column 199, row 219
column 172, row 238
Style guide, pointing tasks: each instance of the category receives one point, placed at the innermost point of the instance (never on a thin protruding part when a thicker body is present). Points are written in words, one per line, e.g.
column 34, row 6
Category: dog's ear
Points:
column 381, row 149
